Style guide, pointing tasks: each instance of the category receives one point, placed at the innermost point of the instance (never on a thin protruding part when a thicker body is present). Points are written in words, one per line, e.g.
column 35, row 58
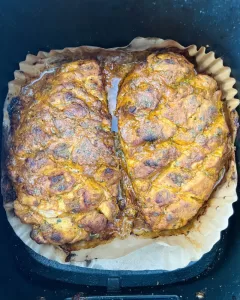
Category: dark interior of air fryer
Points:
column 29, row 26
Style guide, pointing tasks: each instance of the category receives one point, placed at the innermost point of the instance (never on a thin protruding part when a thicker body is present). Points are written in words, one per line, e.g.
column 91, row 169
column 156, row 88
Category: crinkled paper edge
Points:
column 163, row 253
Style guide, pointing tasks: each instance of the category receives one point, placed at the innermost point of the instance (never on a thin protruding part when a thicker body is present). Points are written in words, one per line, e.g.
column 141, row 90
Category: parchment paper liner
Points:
column 163, row 253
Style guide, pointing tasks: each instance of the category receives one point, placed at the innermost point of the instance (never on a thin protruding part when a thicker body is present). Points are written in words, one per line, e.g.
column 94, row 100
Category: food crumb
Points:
column 200, row 295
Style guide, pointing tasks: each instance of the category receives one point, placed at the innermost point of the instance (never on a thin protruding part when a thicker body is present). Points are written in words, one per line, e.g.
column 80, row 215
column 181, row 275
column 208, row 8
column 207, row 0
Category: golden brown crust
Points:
column 64, row 167
column 174, row 138
column 62, row 158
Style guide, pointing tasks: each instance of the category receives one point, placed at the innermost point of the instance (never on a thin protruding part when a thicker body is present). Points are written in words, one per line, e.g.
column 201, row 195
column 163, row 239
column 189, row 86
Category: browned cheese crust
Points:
column 62, row 159
column 174, row 138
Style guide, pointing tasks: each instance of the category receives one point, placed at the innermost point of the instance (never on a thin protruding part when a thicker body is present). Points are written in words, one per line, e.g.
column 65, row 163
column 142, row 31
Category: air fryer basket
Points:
column 30, row 26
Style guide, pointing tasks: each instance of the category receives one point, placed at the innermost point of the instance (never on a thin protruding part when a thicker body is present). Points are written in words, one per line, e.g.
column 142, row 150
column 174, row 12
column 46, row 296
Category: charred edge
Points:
column 8, row 191
column 69, row 257
column 14, row 111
